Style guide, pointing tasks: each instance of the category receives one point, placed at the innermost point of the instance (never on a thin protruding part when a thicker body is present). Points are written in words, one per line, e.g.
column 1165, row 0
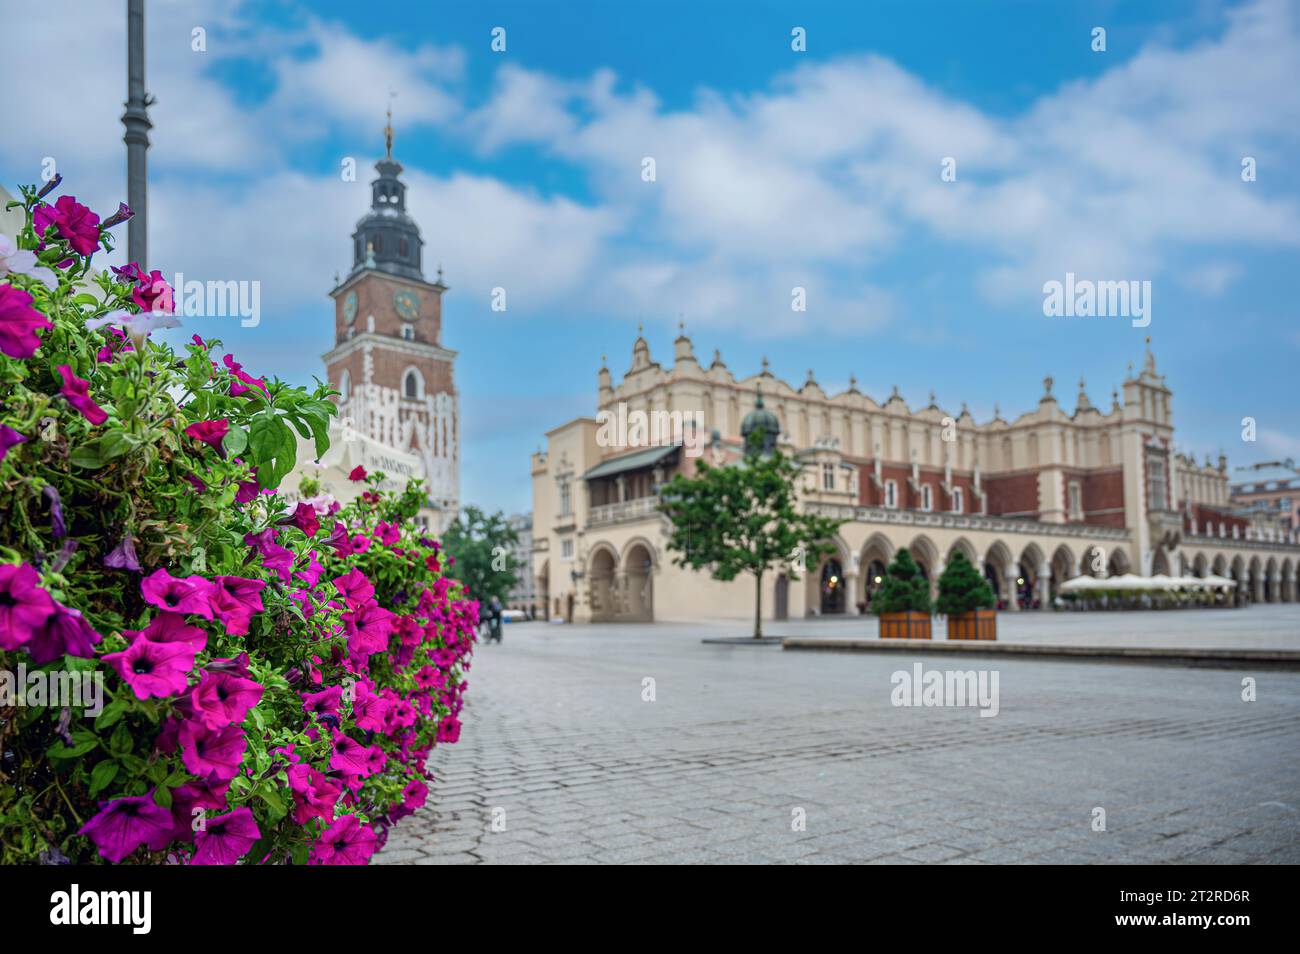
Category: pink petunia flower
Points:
column 211, row 433
column 75, row 223
column 19, row 322
column 64, row 633
column 76, row 391
column 223, row 699
column 24, row 605
column 159, row 670
column 226, row 838
column 358, row 473
column 235, row 600
column 171, row 628
column 355, row 588
column 346, row 842
column 191, row 594
column 124, row 824
column 211, row 754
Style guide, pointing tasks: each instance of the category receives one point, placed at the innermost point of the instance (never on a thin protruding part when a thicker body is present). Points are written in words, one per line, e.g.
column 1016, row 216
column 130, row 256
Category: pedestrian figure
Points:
column 494, row 620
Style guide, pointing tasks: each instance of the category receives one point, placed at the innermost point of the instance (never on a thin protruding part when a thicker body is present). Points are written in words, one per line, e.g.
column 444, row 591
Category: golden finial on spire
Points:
column 388, row 127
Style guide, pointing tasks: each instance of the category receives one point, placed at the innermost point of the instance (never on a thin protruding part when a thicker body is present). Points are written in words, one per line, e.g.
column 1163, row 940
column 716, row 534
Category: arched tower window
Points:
column 345, row 385
column 412, row 384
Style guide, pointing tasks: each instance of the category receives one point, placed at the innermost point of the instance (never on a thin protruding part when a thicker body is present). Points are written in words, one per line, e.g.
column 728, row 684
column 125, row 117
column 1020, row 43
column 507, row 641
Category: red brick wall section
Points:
column 1013, row 494
column 1202, row 514
column 375, row 297
column 1102, row 495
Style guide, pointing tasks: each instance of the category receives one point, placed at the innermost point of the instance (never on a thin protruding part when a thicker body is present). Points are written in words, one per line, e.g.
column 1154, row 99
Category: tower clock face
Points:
column 350, row 307
column 407, row 305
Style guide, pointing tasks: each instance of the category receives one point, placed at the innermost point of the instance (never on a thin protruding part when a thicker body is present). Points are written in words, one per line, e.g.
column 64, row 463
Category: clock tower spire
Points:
column 397, row 392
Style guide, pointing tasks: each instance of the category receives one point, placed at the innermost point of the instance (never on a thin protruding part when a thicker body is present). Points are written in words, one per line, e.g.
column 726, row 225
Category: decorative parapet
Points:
column 626, row 511
column 1193, row 540
column 962, row 521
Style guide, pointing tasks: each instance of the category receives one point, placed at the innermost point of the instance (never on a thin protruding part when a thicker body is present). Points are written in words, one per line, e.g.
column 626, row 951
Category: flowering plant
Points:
column 270, row 673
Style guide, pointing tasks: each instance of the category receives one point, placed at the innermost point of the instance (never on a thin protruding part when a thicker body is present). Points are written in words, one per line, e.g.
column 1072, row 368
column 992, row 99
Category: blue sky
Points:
column 775, row 169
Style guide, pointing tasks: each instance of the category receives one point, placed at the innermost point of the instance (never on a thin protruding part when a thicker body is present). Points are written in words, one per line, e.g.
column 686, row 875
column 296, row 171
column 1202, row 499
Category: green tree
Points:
column 484, row 548
column 742, row 518
column 962, row 589
column 904, row 588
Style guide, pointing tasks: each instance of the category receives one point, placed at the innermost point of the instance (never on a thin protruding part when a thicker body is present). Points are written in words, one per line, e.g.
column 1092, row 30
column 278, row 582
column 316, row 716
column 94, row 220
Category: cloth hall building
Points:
column 1032, row 501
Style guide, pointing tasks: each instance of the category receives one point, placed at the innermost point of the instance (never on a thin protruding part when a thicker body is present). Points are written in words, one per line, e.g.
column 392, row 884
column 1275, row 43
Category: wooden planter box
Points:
column 977, row 624
column 909, row 625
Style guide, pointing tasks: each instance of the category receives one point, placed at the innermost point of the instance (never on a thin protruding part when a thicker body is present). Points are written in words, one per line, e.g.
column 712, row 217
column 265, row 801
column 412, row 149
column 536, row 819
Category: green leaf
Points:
column 235, row 441
column 102, row 775
column 94, row 454
column 110, row 714
column 162, row 796
column 77, row 749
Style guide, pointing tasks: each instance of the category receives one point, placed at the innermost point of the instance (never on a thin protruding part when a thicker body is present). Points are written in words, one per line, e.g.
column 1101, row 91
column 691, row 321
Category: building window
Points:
column 408, row 333
column 927, row 498
column 891, row 493
column 566, row 549
column 412, row 384
column 1157, row 497
column 345, row 385
column 828, row 476
column 566, row 498
column 378, row 244
column 401, row 245
column 958, row 503
column 1075, row 502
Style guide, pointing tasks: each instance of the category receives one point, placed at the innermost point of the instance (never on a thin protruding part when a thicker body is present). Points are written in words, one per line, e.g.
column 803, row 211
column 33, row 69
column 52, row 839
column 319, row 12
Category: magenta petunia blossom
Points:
column 152, row 293
column 64, row 633
column 304, row 518
column 76, row 223
column 124, row 824
column 171, row 628
column 314, row 793
column 19, row 322
column 226, row 838
column 358, row 473
column 9, row 438
column 369, row 710
column 326, row 702
column 246, row 491
column 355, row 588
column 312, row 574
column 368, row 629
column 350, row 757
column 388, row 533
column 221, row 699
column 276, row 558
column 211, row 754
column 76, row 391
column 160, row 670
column 235, row 600
column 449, row 730
column 211, row 433
column 24, row 605
column 191, row 594
column 346, row 842
column 210, row 797
column 244, row 383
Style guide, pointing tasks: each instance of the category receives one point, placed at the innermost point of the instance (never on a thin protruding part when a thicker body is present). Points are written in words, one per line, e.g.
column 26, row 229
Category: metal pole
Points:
column 136, row 121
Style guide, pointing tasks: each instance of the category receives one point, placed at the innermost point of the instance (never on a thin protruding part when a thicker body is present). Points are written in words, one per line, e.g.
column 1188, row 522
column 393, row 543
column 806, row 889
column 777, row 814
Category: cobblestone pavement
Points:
column 561, row 750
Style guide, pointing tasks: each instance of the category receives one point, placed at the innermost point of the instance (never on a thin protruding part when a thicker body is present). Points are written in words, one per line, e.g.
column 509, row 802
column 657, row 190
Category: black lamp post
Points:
column 136, row 121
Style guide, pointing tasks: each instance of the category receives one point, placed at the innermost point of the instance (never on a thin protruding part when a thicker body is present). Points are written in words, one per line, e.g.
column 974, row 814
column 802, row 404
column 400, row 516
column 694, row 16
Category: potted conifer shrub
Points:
column 967, row 600
column 903, row 603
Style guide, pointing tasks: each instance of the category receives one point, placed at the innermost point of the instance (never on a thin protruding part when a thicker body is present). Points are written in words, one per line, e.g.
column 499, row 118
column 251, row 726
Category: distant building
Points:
column 1270, row 490
column 1032, row 501
column 524, row 595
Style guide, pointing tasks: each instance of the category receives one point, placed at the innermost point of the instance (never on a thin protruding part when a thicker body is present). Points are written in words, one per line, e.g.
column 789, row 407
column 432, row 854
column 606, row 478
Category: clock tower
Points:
column 397, row 394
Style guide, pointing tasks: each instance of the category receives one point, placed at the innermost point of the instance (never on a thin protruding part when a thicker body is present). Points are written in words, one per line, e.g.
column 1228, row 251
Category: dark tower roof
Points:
column 760, row 419
column 386, row 237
